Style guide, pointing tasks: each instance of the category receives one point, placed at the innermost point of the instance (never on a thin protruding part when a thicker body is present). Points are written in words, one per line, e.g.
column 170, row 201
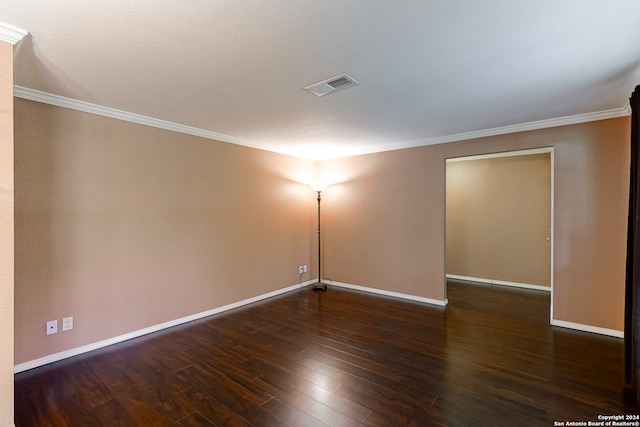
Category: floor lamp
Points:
column 319, row 286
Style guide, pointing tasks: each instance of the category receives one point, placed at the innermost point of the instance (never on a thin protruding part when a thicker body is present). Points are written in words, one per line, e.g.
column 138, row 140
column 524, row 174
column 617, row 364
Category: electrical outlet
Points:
column 67, row 323
column 52, row 327
column 301, row 269
column 304, row 268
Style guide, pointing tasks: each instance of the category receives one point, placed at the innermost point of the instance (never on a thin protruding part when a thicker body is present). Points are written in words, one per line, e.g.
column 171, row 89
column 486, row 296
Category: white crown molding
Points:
column 503, row 130
column 522, row 127
column 11, row 34
column 73, row 104
column 87, row 107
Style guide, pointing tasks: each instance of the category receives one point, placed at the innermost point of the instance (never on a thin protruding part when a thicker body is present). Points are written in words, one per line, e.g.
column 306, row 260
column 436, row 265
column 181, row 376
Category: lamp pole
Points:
column 319, row 286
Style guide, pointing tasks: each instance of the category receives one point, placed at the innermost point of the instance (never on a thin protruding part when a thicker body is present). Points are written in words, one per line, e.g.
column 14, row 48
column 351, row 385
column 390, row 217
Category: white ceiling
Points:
column 428, row 69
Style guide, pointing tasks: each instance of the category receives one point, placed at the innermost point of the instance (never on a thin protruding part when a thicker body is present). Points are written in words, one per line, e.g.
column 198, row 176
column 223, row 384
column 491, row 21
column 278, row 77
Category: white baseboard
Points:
column 441, row 303
column 135, row 334
column 553, row 322
column 155, row 328
column 499, row 282
column 587, row 328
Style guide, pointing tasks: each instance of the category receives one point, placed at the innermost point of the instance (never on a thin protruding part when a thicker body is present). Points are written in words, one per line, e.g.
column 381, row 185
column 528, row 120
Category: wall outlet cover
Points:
column 67, row 323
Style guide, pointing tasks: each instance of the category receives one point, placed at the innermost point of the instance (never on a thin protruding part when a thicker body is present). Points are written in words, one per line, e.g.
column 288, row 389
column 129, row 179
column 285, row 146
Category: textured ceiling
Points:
column 427, row 69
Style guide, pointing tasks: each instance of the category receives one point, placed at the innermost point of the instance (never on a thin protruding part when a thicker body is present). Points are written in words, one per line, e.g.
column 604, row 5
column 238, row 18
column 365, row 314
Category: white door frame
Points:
column 526, row 152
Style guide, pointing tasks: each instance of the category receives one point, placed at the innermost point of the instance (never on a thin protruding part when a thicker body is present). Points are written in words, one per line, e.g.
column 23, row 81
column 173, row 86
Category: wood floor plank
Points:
column 342, row 358
column 244, row 400
column 298, row 402
column 197, row 420
column 208, row 408
column 292, row 415
column 317, row 387
column 127, row 411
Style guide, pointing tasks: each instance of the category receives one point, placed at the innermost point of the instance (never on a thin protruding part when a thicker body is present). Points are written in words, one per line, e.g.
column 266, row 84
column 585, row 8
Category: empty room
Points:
column 277, row 213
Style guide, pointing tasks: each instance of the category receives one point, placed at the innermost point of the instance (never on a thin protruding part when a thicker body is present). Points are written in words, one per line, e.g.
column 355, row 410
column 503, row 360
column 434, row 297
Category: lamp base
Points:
column 319, row 286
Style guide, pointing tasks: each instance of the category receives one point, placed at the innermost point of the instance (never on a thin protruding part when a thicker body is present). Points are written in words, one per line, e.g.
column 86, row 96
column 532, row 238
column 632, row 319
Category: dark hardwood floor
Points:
column 342, row 358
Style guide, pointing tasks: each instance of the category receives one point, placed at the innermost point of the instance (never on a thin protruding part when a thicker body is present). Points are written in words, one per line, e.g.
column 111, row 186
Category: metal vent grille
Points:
column 331, row 85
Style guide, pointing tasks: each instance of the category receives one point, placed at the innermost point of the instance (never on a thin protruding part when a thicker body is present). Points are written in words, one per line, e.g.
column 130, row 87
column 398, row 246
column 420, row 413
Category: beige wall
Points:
column 385, row 224
column 124, row 226
column 6, row 235
column 498, row 214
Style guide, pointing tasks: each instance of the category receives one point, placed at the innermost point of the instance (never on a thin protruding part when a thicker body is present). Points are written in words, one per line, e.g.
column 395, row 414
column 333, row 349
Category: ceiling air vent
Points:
column 331, row 85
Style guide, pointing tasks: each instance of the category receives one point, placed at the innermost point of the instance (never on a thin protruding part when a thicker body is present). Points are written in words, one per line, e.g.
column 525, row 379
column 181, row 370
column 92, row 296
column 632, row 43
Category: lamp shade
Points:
column 319, row 186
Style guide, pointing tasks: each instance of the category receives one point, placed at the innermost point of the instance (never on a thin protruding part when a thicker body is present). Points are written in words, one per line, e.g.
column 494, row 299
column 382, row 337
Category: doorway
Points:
column 499, row 219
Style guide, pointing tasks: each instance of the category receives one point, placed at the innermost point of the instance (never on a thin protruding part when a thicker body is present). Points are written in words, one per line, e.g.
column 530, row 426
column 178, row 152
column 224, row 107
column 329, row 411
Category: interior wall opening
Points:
column 499, row 219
